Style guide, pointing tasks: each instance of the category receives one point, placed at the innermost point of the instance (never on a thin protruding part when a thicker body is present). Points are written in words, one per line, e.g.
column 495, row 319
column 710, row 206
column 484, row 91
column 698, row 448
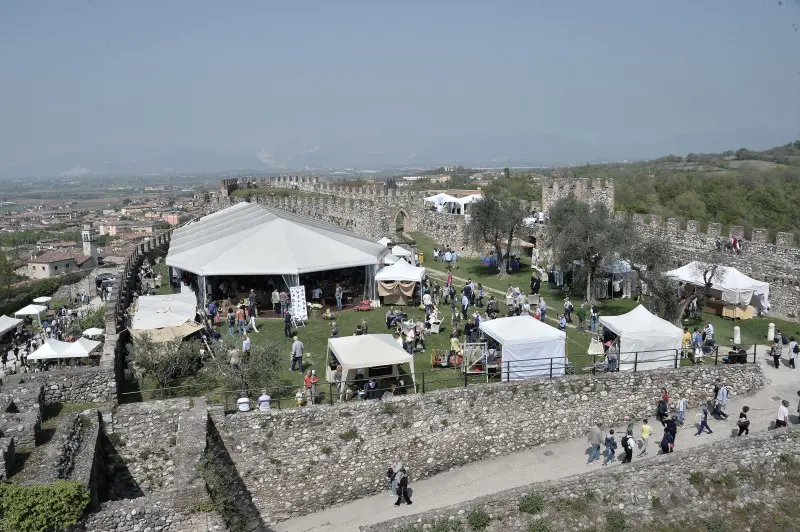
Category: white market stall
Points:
column 396, row 283
column 55, row 349
column 399, row 251
column 466, row 200
column 378, row 355
column 8, row 324
column 729, row 285
column 165, row 317
column 530, row 348
column 645, row 340
column 93, row 331
column 441, row 200
column 31, row 310
column 43, row 300
column 253, row 239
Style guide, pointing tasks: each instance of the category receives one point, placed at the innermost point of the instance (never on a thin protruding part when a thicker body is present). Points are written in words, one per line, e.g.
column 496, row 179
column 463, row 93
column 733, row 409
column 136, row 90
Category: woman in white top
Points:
column 783, row 414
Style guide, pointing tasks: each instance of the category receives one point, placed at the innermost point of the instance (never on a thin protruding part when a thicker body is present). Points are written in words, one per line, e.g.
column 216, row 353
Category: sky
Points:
column 84, row 82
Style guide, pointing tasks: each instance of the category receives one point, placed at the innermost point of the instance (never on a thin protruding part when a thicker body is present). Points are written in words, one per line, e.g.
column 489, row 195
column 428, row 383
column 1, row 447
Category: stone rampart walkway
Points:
column 550, row 462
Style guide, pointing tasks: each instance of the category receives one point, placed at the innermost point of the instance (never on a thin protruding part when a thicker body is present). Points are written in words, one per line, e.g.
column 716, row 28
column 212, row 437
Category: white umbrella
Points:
column 43, row 299
column 93, row 331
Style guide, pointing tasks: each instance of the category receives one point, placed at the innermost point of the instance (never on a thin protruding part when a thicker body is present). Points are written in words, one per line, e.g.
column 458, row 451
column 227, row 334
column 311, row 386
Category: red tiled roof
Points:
column 57, row 256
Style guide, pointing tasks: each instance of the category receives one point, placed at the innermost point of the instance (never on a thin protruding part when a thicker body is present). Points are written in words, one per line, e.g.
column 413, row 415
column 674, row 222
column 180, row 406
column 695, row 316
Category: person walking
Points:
column 297, row 354
column 777, row 351
column 794, row 350
column 627, row 446
column 338, row 293
column 783, row 415
column 542, row 307
column 681, row 407
column 231, row 321
column 595, row 438
column 581, row 313
column 647, row 431
column 276, row 301
column 402, row 487
column 287, row 324
column 611, row 447
column 464, row 306
column 667, row 442
column 722, row 401
column 743, row 423
column 703, row 422
column 240, row 323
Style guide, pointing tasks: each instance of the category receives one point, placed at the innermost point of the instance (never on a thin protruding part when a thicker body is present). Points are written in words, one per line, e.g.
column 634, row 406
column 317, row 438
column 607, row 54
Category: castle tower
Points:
column 89, row 241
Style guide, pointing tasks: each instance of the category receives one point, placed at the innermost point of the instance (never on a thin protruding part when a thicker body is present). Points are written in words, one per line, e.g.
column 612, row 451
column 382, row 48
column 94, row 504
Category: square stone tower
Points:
column 89, row 241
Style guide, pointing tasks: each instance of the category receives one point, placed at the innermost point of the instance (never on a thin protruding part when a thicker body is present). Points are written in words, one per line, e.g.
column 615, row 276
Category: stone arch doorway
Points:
column 402, row 221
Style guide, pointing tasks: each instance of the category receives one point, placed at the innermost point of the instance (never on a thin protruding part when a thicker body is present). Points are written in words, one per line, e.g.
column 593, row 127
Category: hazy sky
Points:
column 86, row 76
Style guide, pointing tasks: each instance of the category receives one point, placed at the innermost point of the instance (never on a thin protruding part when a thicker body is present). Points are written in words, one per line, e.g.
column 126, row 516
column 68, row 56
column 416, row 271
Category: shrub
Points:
column 326, row 450
column 445, row 525
column 540, row 525
column 387, row 408
column 715, row 525
column 531, row 504
column 616, row 521
column 349, row 434
column 478, row 519
column 655, row 501
column 54, row 506
column 697, row 479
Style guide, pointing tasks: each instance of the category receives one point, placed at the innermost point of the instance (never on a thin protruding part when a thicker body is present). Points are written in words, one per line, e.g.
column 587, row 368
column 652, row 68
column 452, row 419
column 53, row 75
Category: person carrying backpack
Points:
column 627, row 446
column 231, row 321
column 611, row 447
column 402, row 487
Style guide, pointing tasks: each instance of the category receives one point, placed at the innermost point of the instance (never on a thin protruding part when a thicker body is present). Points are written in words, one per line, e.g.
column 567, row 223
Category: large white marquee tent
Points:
column 55, row 349
column 728, row 284
column 253, row 239
column 531, row 348
column 645, row 340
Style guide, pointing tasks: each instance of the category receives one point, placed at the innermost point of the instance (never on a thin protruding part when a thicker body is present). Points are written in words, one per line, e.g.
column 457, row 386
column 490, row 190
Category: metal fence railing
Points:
column 281, row 397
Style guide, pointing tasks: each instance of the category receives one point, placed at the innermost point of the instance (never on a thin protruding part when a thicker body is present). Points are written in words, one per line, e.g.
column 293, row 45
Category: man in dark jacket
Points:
column 287, row 324
column 402, row 487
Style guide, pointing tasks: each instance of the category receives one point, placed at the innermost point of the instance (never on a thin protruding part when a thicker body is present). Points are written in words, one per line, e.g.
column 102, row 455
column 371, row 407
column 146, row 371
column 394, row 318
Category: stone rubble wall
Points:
column 287, row 458
column 147, row 435
column 21, row 414
column 150, row 514
column 89, row 384
column 632, row 487
column 8, row 452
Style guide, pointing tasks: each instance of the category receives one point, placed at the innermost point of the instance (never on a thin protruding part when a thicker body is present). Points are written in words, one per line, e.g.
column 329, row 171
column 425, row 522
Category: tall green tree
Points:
column 586, row 233
column 495, row 220
column 7, row 274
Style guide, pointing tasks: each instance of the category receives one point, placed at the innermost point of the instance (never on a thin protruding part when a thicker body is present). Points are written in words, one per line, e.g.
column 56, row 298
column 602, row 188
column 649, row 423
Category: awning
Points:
column 31, row 310
column 8, row 324
column 253, row 239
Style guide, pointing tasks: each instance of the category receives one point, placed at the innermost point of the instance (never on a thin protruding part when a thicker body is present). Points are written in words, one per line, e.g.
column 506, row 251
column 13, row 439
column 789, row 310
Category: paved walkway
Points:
column 549, row 462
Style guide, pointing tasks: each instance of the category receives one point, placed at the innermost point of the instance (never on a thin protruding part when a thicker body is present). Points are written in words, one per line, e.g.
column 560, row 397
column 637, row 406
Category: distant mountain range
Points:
column 477, row 150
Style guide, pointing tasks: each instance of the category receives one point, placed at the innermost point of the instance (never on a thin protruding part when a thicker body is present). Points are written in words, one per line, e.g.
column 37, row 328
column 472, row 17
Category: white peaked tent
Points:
column 401, row 271
column 385, row 241
column 645, row 340
column 53, row 349
column 31, row 310
column 441, row 198
column 728, row 284
column 399, row 251
column 531, row 348
column 253, row 239
column 367, row 351
column 8, row 324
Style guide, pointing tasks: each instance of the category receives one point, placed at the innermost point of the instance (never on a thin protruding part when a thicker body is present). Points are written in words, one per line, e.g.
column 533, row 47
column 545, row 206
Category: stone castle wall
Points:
column 286, row 456
column 92, row 384
column 593, row 191
column 661, row 490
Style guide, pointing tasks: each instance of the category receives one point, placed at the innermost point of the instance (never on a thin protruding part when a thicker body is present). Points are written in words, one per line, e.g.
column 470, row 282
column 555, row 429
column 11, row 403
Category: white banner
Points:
column 299, row 309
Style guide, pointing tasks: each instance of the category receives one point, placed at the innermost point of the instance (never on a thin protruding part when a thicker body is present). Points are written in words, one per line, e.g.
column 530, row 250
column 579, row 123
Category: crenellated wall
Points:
column 776, row 262
column 589, row 190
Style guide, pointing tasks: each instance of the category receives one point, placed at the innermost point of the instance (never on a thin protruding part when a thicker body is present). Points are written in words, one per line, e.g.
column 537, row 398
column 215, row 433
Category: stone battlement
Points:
column 594, row 191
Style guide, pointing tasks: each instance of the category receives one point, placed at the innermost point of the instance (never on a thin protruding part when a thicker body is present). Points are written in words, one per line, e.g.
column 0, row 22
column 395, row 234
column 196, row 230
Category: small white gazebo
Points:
column 365, row 352
column 31, row 310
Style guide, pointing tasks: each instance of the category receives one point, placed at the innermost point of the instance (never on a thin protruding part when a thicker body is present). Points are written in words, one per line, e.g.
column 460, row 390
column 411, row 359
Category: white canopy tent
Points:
column 165, row 317
column 466, row 200
column 401, row 271
column 43, row 299
column 385, row 241
column 728, row 284
column 31, row 310
column 645, row 340
column 54, row 349
column 531, row 348
column 253, row 239
column 399, row 251
column 367, row 351
column 390, row 259
column 8, row 324
column 93, row 331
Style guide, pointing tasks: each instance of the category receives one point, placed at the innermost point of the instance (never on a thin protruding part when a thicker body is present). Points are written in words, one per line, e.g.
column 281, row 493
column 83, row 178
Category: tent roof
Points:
column 7, row 324
column 368, row 350
column 470, row 198
column 400, row 271
column 253, row 239
column 385, row 241
column 399, row 251
column 57, row 349
column 520, row 330
column 42, row 299
column 30, row 310
column 157, row 312
column 442, row 197
column 639, row 321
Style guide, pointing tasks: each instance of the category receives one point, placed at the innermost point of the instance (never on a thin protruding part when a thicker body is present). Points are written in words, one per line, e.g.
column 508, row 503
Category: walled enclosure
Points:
column 358, row 208
column 654, row 492
column 286, row 457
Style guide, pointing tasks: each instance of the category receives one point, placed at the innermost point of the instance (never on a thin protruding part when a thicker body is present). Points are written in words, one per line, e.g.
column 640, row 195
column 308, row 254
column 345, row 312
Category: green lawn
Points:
column 162, row 269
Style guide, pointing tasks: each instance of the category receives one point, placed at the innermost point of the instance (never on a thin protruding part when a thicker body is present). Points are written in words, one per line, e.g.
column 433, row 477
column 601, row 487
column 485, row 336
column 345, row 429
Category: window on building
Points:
column 43, row 268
